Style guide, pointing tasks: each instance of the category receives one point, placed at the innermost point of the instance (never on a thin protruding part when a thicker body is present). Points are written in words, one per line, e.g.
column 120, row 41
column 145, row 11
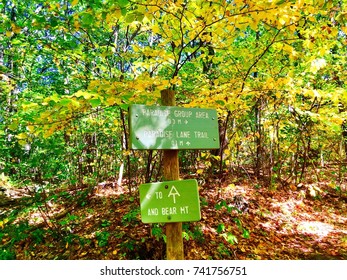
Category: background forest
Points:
column 274, row 70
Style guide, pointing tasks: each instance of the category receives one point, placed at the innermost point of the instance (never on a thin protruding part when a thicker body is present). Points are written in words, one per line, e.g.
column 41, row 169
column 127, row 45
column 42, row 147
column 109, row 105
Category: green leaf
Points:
column 185, row 235
column 280, row 2
column 40, row 19
column 123, row 12
column 54, row 22
column 65, row 101
column 16, row 42
column 220, row 228
column 87, row 19
column 123, row 3
column 238, row 223
column 95, row 102
column 220, row 102
column 245, row 233
column 232, row 239
column 130, row 18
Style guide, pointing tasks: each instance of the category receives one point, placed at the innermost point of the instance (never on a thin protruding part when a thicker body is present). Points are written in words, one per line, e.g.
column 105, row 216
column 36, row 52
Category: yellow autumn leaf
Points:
column 13, row 125
column 176, row 81
column 22, row 136
column 112, row 100
column 8, row 34
column 22, row 142
column 322, row 51
column 155, row 29
column 288, row 48
column 16, row 29
column 334, row 32
column 31, row 128
column 282, row 20
column 77, row 24
column 29, row 106
column 74, row 3
column 126, row 152
column 308, row 44
column 338, row 120
column 118, row 13
column 49, row 132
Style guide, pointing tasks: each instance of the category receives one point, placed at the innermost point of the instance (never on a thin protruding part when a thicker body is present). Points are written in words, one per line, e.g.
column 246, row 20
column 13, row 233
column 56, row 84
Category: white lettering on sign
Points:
column 182, row 134
column 168, row 211
column 153, row 212
column 200, row 134
column 158, row 133
column 184, row 210
column 201, row 115
column 158, row 195
column 155, row 112
column 183, row 114
column 173, row 192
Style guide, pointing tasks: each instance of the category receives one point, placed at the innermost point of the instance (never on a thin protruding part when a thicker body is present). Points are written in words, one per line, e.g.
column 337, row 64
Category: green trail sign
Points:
column 170, row 202
column 169, row 127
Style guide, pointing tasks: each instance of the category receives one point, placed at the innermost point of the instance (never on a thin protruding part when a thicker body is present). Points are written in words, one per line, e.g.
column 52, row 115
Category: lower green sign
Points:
column 170, row 202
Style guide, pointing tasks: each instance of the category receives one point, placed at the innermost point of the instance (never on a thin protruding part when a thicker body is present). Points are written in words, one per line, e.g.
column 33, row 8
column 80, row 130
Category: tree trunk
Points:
column 258, row 140
column 174, row 240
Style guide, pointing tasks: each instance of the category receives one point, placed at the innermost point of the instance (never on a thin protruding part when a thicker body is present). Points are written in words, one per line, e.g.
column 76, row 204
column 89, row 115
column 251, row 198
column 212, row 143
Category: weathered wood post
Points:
column 184, row 128
column 174, row 239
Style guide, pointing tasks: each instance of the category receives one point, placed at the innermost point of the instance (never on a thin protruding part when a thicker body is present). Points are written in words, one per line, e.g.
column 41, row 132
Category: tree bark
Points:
column 258, row 140
column 174, row 240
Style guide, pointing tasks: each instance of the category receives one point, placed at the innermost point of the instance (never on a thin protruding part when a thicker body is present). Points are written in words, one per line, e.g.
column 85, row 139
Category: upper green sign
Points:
column 169, row 127
column 170, row 202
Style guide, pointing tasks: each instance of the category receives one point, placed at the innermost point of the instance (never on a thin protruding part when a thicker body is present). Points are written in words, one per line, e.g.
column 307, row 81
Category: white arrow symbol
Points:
column 186, row 122
column 188, row 143
column 173, row 192
column 148, row 196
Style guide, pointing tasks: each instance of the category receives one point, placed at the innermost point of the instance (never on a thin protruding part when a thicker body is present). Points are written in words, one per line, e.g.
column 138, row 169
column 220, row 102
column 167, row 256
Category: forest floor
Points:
column 239, row 220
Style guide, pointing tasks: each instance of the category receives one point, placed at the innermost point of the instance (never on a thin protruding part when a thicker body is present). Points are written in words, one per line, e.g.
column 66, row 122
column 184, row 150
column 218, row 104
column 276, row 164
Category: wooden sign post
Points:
column 174, row 238
column 170, row 128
